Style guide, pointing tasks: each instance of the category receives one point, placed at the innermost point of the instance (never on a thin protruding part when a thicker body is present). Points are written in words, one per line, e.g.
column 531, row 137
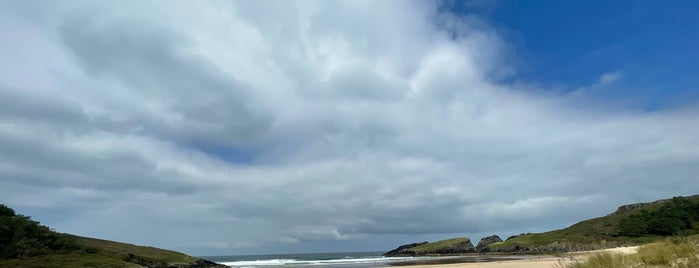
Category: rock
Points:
column 486, row 241
column 637, row 206
column 463, row 247
column 453, row 246
column 403, row 250
column 199, row 263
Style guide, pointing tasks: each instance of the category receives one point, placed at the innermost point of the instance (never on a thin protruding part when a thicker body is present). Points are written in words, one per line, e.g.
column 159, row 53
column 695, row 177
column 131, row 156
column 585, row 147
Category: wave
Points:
column 297, row 262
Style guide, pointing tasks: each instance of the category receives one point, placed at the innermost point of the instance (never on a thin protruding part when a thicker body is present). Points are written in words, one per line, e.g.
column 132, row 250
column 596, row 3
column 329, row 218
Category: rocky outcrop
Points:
column 151, row 263
column 559, row 246
column 445, row 247
column 487, row 241
column 404, row 250
column 199, row 263
column 637, row 206
column 462, row 247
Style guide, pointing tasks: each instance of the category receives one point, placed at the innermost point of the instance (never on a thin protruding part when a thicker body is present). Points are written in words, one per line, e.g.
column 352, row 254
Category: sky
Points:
column 251, row 127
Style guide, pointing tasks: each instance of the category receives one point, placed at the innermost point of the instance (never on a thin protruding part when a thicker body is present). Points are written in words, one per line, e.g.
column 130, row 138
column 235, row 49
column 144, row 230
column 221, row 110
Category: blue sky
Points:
column 307, row 126
column 653, row 44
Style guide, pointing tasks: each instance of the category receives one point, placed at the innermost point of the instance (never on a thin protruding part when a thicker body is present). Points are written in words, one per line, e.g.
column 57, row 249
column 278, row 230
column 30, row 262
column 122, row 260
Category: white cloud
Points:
column 605, row 80
column 608, row 78
column 263, row 124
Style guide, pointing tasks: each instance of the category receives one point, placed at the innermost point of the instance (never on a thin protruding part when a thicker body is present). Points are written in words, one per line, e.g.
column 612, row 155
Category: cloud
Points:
column 608, row 78
column 261, row 125
column 605, row 80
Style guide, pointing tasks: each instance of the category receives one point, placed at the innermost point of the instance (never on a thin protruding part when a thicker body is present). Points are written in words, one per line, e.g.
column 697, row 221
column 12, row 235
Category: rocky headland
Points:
column 487, row 241
column 445, row 247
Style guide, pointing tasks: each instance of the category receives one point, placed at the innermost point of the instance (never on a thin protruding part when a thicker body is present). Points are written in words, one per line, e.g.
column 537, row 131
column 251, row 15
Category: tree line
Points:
column 679, row 216
column 21, row 237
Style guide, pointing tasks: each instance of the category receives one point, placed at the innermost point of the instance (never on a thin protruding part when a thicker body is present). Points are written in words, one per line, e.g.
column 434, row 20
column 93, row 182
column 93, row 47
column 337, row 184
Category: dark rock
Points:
column 199, row 263
column 145, row 262
column 404, row 250
column 559, row 246
column 487, row 241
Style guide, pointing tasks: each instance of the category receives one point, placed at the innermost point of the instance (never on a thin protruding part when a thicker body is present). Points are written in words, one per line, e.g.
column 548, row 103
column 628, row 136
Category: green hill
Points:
column 449, row 246
column 26, row 243
column 629, row 225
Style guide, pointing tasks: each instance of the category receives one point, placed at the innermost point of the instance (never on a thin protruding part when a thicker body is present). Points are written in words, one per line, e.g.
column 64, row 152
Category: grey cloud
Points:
column 17, row 104
column 358, row 129
column 153, row 63
column 363, row 84
column 47, row 162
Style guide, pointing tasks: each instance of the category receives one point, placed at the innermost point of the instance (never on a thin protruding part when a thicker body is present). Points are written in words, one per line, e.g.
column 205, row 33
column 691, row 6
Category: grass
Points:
column 590, row 234
column 72, row 259
column 671, row 252
column 434, row 246
column 148, row 253
column 103, row 253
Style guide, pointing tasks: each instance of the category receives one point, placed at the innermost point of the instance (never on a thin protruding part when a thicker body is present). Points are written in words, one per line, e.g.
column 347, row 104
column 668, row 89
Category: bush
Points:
column 21, row 237
column 672, row 218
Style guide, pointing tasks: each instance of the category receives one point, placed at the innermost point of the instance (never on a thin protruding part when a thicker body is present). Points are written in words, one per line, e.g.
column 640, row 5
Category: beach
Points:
column 547, row 261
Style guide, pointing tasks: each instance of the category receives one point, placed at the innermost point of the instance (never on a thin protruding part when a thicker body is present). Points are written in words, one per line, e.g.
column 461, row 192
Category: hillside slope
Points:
column 629, row 225
column 26, row 243
column 611, row 230
column 449, row 246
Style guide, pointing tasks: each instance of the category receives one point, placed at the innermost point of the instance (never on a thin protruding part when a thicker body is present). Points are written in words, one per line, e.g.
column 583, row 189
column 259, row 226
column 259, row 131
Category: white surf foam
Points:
column 294, row 262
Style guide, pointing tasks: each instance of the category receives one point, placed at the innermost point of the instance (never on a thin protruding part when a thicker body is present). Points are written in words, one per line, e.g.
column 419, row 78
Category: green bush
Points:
column 677, row 216
column 21, row 237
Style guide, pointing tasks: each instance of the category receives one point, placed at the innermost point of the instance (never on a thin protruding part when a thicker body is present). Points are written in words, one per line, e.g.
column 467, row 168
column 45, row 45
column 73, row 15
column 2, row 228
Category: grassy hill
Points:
column 651, row 221
column 631, row 224
column 26, row 243
column 449, row 246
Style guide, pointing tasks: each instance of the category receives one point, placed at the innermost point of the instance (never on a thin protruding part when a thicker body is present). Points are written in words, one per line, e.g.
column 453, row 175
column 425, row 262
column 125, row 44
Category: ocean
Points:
column 339, row 259
column 344, row 260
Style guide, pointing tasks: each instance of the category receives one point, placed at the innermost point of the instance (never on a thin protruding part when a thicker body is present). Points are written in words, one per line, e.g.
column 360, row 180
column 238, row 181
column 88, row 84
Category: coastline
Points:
column 544, row 261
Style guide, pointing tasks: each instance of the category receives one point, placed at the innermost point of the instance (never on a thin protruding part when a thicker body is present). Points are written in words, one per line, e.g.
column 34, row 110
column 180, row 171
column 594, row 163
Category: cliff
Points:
column 483, row 245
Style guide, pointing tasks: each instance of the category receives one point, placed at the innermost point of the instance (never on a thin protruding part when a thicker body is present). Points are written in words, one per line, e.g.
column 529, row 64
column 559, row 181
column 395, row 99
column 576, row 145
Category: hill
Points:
column 449, row 246
column 629, row 225
column 26, row 243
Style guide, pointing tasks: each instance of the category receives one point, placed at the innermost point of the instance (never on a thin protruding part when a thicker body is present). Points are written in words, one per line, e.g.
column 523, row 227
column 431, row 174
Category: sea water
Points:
column 342, row 260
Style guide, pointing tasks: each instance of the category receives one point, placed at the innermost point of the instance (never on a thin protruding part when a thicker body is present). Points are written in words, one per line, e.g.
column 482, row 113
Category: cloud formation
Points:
column 231, row 127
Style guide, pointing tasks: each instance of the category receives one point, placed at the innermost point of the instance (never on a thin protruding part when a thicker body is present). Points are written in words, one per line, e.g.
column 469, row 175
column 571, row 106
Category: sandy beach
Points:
column 539, row 262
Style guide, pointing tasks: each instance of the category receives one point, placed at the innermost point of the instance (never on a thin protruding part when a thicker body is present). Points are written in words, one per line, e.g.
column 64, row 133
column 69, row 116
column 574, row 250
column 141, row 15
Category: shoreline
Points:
column 542, row 261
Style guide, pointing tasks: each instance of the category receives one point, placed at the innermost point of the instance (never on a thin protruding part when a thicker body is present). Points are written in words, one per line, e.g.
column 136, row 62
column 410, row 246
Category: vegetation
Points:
column 676, row 217
column 21, row 237
column 646, row 225
column 435, row 247
column 672, row 252
column 26, row 243
column 449, row 246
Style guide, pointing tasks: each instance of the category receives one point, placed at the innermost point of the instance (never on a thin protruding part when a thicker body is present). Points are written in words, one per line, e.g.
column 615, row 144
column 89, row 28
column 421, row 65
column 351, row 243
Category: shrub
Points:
column 675, row 217
column 21, row 237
